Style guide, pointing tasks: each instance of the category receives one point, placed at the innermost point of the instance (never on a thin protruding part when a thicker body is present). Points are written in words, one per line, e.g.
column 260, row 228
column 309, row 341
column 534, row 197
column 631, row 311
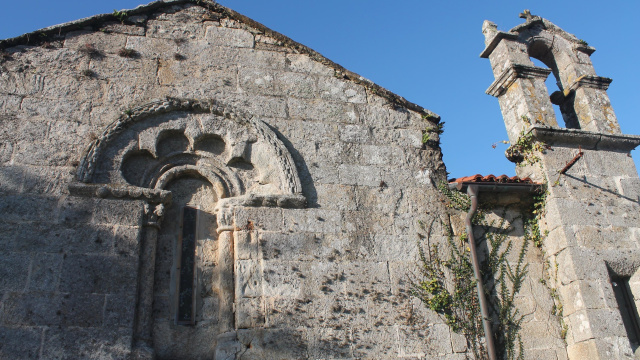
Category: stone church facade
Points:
column 180, row 182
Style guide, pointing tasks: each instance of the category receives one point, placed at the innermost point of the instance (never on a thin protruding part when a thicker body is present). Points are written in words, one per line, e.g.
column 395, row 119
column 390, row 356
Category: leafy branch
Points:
column 443, row 283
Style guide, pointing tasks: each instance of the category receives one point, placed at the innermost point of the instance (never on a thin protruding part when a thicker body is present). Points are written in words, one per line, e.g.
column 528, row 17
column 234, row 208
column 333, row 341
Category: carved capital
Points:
column 153, row 214
column 224, row 216
column 510, row 75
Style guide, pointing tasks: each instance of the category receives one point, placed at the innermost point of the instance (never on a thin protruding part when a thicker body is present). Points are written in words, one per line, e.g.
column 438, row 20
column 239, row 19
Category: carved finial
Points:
column 489, row 29
column 526, row 15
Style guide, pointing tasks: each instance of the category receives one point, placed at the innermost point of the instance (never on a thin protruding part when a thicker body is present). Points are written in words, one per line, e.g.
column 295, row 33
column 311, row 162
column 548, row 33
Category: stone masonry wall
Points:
column 326, row 281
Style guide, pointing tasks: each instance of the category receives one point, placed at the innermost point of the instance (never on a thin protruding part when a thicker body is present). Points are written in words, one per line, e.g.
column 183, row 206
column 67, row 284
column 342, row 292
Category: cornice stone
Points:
column 587, row 140
column 509, row 76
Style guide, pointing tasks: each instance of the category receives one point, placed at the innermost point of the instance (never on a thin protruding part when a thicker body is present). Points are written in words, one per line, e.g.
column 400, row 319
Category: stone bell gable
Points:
column 592, row 203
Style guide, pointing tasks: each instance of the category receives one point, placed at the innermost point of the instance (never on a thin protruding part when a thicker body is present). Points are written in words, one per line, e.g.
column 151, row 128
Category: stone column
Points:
column 226, row 268
column 143, row 338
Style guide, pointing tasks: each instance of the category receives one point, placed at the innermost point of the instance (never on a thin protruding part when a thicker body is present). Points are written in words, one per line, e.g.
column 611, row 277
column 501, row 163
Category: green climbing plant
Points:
column 445, row 285
column 525, row 150
column 444, row 281
column 120, row 15
column 429, row 131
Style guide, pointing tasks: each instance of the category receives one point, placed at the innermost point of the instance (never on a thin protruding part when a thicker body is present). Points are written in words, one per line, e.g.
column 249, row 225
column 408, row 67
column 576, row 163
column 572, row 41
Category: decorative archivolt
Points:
column 149, row 145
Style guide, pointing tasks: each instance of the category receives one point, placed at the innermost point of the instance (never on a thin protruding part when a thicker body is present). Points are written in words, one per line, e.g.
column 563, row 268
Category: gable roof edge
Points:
column 39, row 36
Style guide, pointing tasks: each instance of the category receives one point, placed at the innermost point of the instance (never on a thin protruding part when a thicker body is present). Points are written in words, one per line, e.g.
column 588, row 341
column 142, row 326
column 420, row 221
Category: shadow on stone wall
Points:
column 67, row 268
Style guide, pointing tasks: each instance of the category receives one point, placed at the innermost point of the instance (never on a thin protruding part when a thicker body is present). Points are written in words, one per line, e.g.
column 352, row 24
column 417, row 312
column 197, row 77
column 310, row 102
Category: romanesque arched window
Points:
column 194, row 163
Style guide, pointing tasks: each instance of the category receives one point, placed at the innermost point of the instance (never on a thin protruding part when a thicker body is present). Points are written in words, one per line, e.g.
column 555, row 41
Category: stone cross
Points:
column 526, row 15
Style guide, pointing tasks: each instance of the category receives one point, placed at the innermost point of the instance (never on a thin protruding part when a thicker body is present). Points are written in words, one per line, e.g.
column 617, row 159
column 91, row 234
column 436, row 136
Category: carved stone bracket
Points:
column 510, row 75
column 589, row 81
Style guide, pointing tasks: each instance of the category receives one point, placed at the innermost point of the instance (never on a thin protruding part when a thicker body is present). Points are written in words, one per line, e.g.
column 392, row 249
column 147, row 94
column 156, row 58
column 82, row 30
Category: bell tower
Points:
column 592, row 208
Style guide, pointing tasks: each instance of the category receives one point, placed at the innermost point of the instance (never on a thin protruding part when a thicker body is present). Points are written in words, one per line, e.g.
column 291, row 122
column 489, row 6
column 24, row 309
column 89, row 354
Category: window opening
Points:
column 628, row 309
column 187, row 267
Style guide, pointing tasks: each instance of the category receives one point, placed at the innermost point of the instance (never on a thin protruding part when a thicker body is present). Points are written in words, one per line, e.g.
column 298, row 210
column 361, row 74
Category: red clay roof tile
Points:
column 502, row 179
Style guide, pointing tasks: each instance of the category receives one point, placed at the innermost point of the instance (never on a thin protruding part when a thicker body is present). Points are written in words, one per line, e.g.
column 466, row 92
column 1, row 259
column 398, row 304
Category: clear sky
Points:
column 425, row 51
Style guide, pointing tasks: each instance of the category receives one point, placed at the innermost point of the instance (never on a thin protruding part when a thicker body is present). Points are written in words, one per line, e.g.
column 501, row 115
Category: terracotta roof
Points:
column 502, row 179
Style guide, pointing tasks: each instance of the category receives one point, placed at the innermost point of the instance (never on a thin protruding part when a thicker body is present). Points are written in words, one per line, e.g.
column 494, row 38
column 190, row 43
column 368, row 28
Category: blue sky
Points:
column 425, row 51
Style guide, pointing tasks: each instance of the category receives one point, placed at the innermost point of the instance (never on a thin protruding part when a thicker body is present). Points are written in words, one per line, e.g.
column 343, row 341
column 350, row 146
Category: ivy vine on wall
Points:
column 445, row 282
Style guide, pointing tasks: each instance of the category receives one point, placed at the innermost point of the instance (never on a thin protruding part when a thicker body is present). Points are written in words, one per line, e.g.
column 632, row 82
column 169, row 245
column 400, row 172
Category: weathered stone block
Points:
column 20, row 343
column 14, row 208
column 248, row 218
column 289, row 312
column 11, row 179
column 375, row 342
column 580, row 264
column 49, row 180
column 45, row 272
column 184, row 73
column 248, row 275
column 384, row 118
column 355, row 134
column 263, row 344
column 600, row 349
column 120, row 28
column 14, row 271
column 292, row 246
column 265, row 106
column 320, row 110
column 99, row 274
column 118, row 212
column 119, row 311
column 37, row 308
column 324, row 173
column 404, row 138
column 104, row 43
column 336, row 197
column 312, row 220
column 221, row 36
column 360, row 175
column 595, row 323
column 54, row 238
column 152, row 48
column 250, row 313
column 71, row 343
column 279, row 281
column 175, row 30
column 605, row 238
column 129, row 71
column 53, row 109
column 338, row 90
column 9, row 104
column 328, row 343
column 368, row 223
column 257, row 58
column 303, row 63
column 246, row 245
column 418, row 340
column 346, row 312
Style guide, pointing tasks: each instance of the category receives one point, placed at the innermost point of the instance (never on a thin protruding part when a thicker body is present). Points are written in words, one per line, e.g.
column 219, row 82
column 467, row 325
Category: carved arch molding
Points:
column 147, row 147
